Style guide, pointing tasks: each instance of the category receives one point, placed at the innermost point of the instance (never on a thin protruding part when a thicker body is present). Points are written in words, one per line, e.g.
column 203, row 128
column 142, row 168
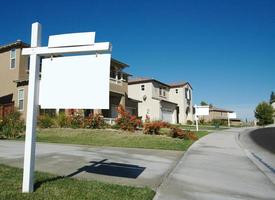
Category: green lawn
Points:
column 113, row 138
column 52, row 187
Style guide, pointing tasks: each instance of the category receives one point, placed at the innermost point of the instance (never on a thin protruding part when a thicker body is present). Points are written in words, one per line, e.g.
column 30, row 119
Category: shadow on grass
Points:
column 103, row 168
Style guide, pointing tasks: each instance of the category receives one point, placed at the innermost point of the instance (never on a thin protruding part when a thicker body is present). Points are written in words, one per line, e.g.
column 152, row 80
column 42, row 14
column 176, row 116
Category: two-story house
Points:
column 160, row 101
column 14, row 83
column 220, row 114
column 181, row 93
column 13, row 67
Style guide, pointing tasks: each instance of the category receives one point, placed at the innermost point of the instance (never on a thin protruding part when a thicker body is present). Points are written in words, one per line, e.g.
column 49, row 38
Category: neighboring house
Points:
column 13, row 67
column 14, row 84
column 160, row 101
column 181, row 93
column 220, row 114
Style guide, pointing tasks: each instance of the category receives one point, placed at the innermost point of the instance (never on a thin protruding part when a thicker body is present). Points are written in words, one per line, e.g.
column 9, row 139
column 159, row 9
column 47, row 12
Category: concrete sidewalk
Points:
column 136, row 167
column 216, row 168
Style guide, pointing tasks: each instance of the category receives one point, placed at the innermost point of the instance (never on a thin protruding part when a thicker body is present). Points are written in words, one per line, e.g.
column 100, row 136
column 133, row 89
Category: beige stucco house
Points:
column 181, row 93
column 160, row 101
column 220, row 114
column 13, row 67
column 14, row 83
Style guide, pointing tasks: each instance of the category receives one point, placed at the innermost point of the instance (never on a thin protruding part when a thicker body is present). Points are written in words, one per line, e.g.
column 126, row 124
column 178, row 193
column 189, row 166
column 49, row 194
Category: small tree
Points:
column 264, row 114
column 203, row 103
column 272, row 98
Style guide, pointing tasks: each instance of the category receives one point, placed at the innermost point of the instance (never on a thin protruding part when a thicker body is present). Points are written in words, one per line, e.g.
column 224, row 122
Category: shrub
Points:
column 12, row 125
column 183, row 134
column 153, row 128
column 46, row 121
column 219, row 122
column 201, row 121
column 189, row 122
column 165, row 131
column 62, row 120
column 76, row 120
column 126, row 121
column 178, row 133
column 94, row 121
column 191, row 135
column 115, row 126
column 264, row 114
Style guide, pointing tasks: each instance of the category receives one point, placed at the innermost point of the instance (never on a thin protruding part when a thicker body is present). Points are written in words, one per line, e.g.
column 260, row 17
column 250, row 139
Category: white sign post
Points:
column 60, row 44
column 200, row 111
column 32, row 107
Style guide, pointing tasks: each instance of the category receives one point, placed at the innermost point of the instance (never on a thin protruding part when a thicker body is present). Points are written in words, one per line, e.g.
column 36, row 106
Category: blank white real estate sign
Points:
column 79, row 82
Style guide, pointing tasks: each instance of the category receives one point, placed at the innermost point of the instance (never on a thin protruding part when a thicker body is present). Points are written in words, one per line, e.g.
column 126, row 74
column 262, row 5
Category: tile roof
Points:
column 17, row 44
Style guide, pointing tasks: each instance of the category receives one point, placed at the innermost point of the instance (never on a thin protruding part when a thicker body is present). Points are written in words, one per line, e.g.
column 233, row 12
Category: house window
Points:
column 162, row 92
column 142, row 87
column 12, row 58
column 21, row 99
column 28, row 63
column 187, row 94
column 177, row 91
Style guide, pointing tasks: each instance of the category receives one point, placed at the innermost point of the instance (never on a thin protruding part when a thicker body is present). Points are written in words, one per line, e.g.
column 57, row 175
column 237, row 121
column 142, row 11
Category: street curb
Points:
column 267, row 170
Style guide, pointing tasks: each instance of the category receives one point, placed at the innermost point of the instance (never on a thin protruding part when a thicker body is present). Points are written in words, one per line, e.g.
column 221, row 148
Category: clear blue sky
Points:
column 224, row 48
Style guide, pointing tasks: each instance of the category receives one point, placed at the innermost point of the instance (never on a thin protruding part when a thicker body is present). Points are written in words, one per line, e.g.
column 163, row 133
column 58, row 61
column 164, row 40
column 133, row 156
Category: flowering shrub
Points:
column 126, row 121
column 183, row 134
column 62, row 120
column 11, row 125
column 94, row 121
column 153, row 128
column 46, row 121
column 76, row 120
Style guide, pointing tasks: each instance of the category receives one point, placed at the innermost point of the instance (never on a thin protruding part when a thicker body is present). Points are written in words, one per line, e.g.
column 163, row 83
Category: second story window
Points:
column 12, row 58
column 162, row 92
column 142, row 87
column 177, row 91
column 187, row 94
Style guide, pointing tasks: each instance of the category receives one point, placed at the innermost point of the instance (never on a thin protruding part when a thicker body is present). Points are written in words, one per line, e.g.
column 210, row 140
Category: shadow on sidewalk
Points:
column 102, row 168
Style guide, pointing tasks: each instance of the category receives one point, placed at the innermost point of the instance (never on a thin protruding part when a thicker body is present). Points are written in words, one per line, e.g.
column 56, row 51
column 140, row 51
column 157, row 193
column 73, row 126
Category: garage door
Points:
column 167, row 116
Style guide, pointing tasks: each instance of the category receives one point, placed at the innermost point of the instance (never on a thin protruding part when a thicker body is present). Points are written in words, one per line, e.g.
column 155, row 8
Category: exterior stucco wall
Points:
column 182, row 102
column 151, row 103
column 7, row 75
column 120, row 88
column 215, row 115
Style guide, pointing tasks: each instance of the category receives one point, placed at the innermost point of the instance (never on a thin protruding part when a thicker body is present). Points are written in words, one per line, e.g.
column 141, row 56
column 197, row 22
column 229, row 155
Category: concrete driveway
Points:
column 136, row 167
column 216, row 168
